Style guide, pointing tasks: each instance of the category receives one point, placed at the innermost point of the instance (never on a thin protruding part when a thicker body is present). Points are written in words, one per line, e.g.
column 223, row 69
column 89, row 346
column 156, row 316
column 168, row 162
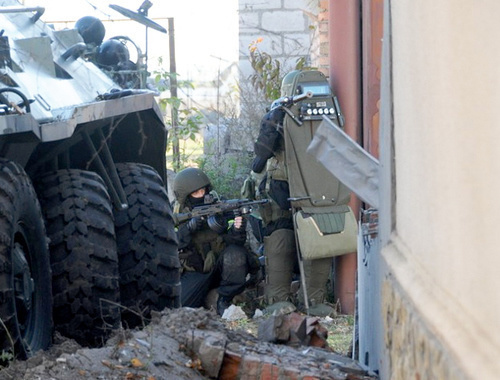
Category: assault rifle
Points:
column 236, row 206
column 286, row 102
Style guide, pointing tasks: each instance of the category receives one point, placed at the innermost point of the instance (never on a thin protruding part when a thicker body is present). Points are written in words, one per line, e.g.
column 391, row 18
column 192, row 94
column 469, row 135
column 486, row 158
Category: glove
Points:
column 240, row 223
column 194, row 224
column 258, row 165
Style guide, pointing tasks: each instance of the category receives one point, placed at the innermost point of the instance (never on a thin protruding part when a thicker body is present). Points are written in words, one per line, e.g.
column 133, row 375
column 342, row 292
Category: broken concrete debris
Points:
column 239, row 355
column 190, row 344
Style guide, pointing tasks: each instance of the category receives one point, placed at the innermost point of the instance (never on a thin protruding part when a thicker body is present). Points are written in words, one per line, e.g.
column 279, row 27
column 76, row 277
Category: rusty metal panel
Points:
column 345, row 76
column 372, row 30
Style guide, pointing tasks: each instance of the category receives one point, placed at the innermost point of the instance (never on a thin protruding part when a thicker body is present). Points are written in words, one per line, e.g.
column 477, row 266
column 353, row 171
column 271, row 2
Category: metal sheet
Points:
column 372, row 28
column 140, row 18
column 347, row 161
column 66, row 120
column 345, row 74
column 11, row 124
column 368, row 293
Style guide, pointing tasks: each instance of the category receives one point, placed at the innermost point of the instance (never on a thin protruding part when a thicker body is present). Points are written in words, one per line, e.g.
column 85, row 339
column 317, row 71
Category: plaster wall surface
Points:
column 444, row 252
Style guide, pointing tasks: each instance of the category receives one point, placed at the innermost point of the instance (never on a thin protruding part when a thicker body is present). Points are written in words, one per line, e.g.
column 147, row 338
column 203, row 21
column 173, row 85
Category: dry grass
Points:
column 340, row 332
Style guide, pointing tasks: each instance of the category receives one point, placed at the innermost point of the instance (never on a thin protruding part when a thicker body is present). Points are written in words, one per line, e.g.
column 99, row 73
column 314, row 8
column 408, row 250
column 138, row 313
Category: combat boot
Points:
column 279, row 251
column 280, row 308
column 223, row 303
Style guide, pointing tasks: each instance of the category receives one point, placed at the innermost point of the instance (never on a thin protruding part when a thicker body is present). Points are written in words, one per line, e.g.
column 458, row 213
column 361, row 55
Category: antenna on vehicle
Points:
column 141, row 16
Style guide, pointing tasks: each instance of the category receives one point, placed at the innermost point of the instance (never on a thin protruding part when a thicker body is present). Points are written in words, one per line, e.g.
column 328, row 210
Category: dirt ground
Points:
column 129, row 355
column 157, row 352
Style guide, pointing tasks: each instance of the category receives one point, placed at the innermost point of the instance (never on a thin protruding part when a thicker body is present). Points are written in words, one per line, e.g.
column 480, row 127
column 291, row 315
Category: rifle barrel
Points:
column 305, row 95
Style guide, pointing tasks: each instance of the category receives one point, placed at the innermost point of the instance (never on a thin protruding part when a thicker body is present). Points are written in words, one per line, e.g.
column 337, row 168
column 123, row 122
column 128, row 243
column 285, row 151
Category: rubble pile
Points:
column 234, row 354
column 190, row 343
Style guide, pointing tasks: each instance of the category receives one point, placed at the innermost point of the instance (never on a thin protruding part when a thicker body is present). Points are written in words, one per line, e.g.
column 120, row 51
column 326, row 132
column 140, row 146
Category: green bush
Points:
column 227, row 172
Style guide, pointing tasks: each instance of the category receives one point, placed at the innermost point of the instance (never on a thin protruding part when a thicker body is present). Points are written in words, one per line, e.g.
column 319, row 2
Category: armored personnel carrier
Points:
column 86, row 233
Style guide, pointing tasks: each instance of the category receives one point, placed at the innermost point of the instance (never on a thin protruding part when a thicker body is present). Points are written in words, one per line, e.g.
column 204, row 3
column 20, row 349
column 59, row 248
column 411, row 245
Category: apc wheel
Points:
column 147, row 245
column 25, row 284
column 83, row 255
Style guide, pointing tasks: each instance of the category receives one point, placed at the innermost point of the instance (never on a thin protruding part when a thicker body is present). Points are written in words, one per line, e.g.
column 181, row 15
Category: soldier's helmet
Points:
column 91, row 29
column 112, row 52
column 187, row 181
column 289, row 83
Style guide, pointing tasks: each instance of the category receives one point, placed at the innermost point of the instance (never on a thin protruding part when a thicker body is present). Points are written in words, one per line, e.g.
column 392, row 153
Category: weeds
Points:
column 340, row 334
column 6, row 356
column 226, row 175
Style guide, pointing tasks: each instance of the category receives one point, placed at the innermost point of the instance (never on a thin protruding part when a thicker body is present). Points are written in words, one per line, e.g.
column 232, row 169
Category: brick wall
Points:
column 320, row 49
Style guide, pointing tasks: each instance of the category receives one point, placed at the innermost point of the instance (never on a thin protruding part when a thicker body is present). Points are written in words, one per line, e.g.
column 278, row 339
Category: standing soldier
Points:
column 301, row 193
column 279, row 236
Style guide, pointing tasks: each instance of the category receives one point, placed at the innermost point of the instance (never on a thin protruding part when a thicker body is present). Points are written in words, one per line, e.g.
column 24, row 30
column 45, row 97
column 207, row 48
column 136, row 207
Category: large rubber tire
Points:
column 25, row 280
column 83, row 255
column 147, row 245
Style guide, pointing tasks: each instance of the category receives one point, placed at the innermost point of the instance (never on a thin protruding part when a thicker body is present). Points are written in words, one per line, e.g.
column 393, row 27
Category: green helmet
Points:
column 299, row 81
column 289, row 83
column 187, row 181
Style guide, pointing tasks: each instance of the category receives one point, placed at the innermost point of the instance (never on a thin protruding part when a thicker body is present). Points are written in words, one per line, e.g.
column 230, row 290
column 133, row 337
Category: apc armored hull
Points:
column 86, row 233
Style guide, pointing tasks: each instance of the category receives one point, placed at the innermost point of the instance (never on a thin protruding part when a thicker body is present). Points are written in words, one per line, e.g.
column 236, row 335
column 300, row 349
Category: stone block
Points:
column 284, row 21
column 274, row 329
column 296, row 44
column 300, row 4
column 323, row 27
column 272, row 44
column 249, row 22
column 209, row 346
column 255, row 5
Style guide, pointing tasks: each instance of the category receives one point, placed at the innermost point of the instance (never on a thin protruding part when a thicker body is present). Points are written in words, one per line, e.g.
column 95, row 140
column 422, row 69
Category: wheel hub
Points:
column 24, row 285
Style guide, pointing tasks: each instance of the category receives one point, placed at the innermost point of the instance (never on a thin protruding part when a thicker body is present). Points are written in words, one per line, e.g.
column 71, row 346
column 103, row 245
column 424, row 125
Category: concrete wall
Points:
column 290, row 29
column 441, row 305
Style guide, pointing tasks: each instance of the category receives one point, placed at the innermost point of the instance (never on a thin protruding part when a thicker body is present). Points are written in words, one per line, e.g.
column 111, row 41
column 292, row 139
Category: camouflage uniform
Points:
column 211, row 256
